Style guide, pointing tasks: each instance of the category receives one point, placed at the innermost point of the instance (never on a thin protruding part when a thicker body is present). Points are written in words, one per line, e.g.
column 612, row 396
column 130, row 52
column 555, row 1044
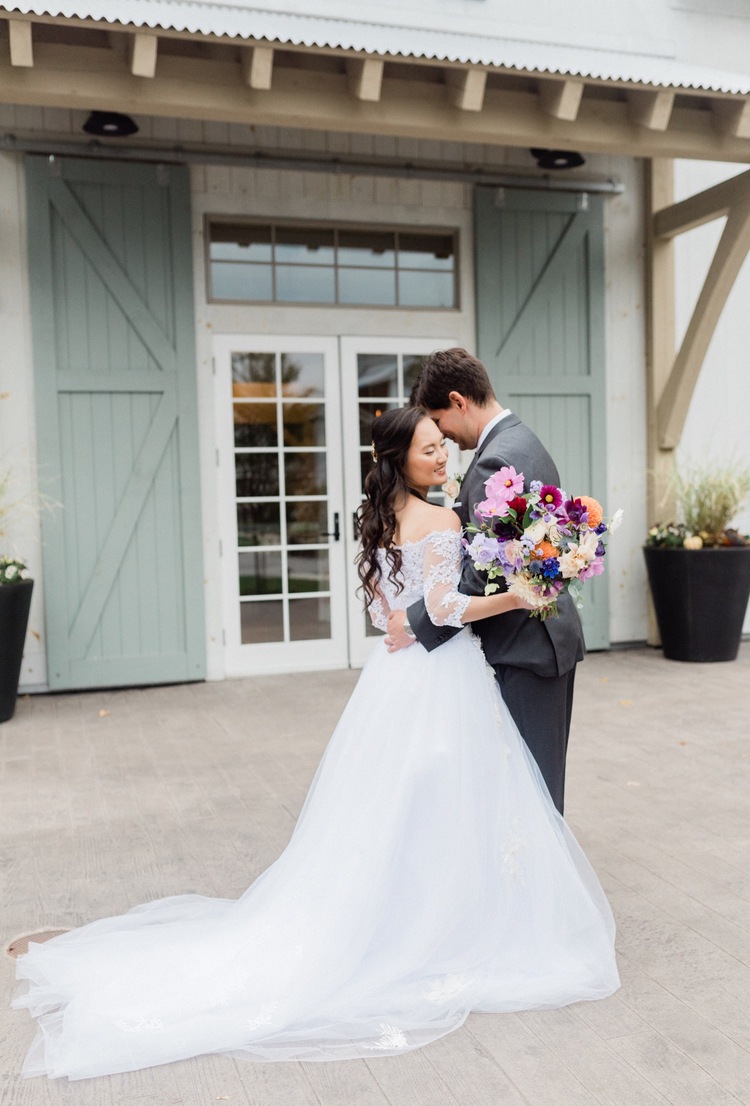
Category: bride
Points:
column 429, row 874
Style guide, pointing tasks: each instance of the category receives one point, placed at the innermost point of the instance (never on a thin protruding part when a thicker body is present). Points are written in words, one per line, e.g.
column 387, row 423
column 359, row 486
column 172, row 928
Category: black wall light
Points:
column 557, row 159
column 110, row 124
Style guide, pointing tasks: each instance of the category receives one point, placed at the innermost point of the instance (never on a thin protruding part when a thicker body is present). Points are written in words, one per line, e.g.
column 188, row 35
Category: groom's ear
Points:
column 458, row 401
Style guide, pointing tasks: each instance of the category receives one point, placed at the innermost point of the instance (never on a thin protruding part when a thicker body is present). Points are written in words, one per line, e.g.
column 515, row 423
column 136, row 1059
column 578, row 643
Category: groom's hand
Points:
column 396, row 638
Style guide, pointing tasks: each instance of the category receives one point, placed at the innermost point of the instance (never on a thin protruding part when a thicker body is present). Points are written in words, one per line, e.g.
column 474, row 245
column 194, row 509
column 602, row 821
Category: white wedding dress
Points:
column 428, row 876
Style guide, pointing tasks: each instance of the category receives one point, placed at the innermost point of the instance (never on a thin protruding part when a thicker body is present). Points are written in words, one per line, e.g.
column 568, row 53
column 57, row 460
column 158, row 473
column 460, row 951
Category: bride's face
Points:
column 427, row 457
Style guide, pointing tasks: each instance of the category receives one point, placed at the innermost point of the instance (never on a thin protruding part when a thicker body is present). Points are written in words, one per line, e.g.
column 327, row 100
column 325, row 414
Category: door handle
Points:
column 336, row 532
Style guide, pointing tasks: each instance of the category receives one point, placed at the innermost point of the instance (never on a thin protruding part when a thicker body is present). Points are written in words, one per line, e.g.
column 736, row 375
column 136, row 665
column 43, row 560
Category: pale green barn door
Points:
column 113, row 334
column 540, row 324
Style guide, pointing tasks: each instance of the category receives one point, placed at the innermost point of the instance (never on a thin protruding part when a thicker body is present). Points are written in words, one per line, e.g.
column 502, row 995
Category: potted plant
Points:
column 699, row 568
column 15, row 601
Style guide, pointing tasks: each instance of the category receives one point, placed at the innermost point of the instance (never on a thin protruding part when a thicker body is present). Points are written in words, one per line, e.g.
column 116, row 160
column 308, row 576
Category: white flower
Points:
column 536, row 532
column 693, row 541
column 616, row 520
column 522, row 586
column 451, row 489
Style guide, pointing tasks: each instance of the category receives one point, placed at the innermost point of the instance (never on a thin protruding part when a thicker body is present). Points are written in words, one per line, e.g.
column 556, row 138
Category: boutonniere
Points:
column 453, row 486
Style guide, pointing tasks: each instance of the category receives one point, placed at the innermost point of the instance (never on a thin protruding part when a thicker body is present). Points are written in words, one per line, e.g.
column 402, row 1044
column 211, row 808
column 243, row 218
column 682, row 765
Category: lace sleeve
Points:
column 442, row 572
column 378, row 611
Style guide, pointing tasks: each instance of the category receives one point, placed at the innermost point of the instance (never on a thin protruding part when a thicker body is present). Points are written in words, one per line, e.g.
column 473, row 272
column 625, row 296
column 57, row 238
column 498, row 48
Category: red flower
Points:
column 518, row 504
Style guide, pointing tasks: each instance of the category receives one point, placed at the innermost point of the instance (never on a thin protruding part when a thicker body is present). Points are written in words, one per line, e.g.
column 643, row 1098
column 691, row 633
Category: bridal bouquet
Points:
column 542, row 542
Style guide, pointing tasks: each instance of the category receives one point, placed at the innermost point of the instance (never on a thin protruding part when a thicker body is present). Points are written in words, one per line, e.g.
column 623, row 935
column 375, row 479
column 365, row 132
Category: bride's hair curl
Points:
column 385, row 491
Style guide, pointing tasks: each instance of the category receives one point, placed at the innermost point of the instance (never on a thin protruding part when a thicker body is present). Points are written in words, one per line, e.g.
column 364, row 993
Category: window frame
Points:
column 396, row 229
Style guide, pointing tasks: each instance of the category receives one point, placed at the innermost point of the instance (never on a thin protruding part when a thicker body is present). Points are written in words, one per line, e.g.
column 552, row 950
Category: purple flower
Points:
column 576, row 511
column 601, row 528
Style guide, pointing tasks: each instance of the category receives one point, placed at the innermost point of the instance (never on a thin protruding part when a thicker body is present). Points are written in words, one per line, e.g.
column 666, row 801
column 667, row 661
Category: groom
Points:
column 534, row 661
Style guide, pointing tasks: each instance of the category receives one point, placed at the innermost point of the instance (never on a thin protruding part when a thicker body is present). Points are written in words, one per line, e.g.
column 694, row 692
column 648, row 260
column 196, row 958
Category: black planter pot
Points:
column 15, row 601
column 700, row 597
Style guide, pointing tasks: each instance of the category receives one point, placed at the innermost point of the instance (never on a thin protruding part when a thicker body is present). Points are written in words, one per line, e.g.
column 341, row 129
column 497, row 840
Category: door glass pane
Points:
column 260, row 573
column 261, row 621
column 302, row 375
column 309, row 619
column 377, row 374
column 230, row 281
column 368, row 412
column 255, row 425
column 304, row 423
column 254, row 368
column 258, row 524
column 256, row 474
column 308, row 570
column 305, row 473
column 306, row 523
column 412, row 368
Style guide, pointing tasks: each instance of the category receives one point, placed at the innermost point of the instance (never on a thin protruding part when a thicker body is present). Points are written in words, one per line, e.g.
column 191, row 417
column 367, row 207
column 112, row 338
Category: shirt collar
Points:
column 493, row 422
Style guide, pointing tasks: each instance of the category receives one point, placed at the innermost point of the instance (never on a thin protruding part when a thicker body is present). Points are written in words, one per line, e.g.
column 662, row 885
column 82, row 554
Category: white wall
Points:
column 718, row 422
column 20, row 532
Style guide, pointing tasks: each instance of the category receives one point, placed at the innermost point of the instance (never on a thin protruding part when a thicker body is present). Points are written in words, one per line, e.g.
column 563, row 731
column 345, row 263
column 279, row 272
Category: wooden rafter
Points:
column 257, row 66
column 21, row 44
column 143, row 52
column 366, row 78
column 467, row 88
column 562, row 99
column 651, row 108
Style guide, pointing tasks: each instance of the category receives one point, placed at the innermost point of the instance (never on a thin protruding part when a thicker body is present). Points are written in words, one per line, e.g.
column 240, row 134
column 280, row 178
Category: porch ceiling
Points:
column 539, row 96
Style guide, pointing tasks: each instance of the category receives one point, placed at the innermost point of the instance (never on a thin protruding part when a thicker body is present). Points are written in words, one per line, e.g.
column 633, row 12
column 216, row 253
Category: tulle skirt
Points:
column 428, row 876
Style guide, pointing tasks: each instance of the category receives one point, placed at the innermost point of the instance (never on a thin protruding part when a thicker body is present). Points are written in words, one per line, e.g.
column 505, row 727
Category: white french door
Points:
column 280, row 489
column 294, row 435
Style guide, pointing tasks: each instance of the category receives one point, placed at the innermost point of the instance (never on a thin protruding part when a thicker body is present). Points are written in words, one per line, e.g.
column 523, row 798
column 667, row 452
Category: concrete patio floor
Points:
column 112, row 798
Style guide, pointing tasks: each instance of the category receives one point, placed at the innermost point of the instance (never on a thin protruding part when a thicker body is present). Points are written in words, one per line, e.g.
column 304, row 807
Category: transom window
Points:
column 279, row 263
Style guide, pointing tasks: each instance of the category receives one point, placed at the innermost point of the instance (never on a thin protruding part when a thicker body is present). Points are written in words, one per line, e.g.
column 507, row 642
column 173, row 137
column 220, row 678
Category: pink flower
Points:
column 504, row 485
column 596, row 568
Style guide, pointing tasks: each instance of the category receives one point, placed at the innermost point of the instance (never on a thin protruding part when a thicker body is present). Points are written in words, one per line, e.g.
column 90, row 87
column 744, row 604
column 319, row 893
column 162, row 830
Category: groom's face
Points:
column 455, row 422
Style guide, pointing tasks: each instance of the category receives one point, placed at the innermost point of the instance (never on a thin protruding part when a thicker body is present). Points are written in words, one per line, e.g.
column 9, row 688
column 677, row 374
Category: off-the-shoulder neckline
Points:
column 431, row 534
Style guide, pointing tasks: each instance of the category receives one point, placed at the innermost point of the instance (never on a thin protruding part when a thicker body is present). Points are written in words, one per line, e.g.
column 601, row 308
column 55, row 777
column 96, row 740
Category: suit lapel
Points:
column 465, row 508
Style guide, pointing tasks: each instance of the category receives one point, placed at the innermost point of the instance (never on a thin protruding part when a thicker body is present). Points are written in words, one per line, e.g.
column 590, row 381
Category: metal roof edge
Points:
column 386, row 40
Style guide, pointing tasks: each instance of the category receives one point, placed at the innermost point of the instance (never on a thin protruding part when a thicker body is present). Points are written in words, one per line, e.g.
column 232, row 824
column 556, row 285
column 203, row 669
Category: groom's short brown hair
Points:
column 451, row 370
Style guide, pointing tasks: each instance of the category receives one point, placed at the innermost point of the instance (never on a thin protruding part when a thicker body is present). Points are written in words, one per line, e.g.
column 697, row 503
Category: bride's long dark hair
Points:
column 385, row 490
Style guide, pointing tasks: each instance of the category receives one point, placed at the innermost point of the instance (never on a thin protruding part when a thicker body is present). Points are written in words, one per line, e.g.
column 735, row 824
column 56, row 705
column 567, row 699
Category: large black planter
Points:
column 700, row 597
column 15, row 600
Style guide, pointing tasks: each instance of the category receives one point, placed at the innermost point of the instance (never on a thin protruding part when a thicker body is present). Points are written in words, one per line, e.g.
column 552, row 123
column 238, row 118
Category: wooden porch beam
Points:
column 561, row 99
column 90, row 77
column 467, row 88
column 731, row 252
column 257, row 66
column 21, row 43
column 701, row 208
column 143, row 51
column 651, row 109
column 366, row 78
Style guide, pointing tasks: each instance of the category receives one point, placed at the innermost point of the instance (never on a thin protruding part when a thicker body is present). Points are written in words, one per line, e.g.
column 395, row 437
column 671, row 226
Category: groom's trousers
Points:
column 541, row 707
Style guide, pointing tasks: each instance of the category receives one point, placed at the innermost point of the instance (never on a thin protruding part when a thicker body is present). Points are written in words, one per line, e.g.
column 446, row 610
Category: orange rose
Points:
column 594, row 508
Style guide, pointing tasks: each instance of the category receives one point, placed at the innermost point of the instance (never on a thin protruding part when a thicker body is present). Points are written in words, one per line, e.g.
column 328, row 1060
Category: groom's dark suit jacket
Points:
column 549, row 648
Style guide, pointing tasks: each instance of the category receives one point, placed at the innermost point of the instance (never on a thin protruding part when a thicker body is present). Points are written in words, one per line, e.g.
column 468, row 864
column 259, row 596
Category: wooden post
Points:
column 660, row 346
